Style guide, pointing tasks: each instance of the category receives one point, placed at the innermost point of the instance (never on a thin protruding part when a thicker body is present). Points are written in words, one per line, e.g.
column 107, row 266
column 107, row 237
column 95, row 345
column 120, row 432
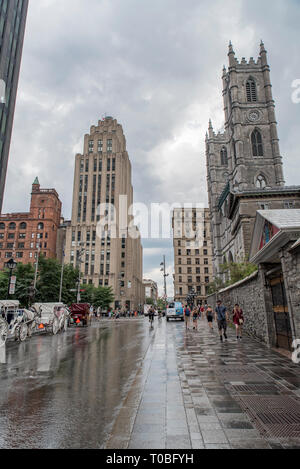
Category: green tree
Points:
column 149, row 301
column 87, row 294
column 238, row 271
column 70, row 280
column 25, row 278
column 4, row 284
column 48, row 284
column 103, row 297
column 235, row 272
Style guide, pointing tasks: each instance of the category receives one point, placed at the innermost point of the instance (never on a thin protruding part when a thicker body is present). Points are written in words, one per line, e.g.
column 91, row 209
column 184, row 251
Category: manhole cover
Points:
column 278, row 416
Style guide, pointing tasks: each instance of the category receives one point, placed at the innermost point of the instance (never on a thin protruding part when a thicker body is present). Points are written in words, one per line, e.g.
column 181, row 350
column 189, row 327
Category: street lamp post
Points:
column 80, row 261
column 165, row 275
column 62, row 276
column 11, row 265
column 190, row 299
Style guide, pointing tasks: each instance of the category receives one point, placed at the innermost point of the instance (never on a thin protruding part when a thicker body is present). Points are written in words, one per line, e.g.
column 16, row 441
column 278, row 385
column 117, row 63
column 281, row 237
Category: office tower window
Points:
column 100, row 146
column 91, row 146
column 109, row 146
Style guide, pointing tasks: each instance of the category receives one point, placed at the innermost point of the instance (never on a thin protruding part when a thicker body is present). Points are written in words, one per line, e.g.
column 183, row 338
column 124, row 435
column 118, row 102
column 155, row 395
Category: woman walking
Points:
column 187, row 314
column 195, row 319
column 238, row 320
column 210, row 316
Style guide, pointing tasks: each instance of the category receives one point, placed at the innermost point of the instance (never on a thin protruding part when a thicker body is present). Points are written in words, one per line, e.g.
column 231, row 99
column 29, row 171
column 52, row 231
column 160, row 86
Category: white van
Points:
column 175, row 311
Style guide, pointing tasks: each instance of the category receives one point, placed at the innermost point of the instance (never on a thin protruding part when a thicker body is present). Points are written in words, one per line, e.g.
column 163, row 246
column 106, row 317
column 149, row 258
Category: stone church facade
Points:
column 244, row 163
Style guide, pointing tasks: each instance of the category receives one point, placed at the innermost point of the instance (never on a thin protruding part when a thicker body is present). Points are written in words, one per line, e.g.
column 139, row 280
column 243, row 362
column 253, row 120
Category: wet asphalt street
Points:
column 120, row 384
column 64, row 391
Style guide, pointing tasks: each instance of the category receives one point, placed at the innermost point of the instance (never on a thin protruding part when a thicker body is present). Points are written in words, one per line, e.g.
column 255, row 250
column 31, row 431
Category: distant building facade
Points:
column 24, row 235
column 103, row 179
column 193, row 261
column 151, row 290
column 13, row 15
column 244, row 163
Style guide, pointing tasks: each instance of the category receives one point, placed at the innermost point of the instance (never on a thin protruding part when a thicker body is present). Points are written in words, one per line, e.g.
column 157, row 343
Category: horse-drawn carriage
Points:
column 51, row 317
column 15, row 323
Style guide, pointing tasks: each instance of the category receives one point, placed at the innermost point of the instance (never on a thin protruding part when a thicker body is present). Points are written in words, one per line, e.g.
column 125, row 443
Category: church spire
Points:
column 263, row 54
column 231, row 55
column 210, row 129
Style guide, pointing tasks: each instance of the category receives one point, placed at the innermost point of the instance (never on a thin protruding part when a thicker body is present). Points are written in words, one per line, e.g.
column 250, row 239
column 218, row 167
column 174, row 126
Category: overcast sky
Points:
column 155, row 66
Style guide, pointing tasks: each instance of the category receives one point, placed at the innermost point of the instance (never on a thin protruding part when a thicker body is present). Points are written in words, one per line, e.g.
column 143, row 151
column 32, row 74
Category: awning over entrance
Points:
column 273, row 229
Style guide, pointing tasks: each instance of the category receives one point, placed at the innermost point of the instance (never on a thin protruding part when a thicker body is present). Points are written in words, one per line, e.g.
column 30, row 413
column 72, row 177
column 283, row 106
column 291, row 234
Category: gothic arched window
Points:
column 224, row 157
column 23, row 226
column 261, row 182
column 12, row 226
column 251, row 91
column 257, row 144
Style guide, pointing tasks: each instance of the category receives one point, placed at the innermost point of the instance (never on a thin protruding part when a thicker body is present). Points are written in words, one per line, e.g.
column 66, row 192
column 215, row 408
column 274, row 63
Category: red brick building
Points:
column 22, row 235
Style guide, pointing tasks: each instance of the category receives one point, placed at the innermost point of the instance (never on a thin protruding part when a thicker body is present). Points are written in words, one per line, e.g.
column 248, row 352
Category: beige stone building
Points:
column 192, row 253
column 102, row 237
column 151, row 290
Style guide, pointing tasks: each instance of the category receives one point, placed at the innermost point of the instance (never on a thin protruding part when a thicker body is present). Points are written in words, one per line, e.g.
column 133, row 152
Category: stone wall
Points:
column 250, row 295
column 290, row 261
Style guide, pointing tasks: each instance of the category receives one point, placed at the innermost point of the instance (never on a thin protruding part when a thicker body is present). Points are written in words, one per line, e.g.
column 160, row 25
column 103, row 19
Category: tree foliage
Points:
column 149, row 301
column 98, row 297
column 48, row 285
column 233, row 272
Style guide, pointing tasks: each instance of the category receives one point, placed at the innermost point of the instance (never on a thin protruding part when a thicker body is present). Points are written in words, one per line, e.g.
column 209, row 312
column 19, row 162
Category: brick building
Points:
column 22, row 235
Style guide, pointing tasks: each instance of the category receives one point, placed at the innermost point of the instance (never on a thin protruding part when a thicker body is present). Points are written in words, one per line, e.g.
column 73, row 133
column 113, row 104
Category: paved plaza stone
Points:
column 193, row 392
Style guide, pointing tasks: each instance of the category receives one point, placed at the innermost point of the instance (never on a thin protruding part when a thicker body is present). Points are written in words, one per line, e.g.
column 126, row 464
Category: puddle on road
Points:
column 63, row 391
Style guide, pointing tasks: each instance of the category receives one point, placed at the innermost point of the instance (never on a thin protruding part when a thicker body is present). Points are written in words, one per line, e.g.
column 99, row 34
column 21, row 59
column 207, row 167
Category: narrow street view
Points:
column 123, row 384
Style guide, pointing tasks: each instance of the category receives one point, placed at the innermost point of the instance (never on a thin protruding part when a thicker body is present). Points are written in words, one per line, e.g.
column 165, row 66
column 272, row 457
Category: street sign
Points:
column 73, row 290
column 13, row 280
column 12, row 289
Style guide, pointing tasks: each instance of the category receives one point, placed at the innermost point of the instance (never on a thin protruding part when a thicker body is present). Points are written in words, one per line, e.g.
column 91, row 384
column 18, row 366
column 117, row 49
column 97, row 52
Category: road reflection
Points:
column 64, row 391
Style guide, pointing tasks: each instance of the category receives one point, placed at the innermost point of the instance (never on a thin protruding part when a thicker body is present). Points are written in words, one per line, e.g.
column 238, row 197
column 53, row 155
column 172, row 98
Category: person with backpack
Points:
column 187, row 316
column 221, row 317
column 238, row 321
column 195, row 315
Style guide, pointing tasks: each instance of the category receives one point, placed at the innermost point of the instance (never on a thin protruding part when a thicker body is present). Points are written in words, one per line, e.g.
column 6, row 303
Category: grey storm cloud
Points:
column 156, row 67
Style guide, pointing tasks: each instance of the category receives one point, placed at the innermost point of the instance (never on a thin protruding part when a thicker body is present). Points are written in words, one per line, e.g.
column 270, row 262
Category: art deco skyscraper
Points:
column 103, row 176
column 13, row 15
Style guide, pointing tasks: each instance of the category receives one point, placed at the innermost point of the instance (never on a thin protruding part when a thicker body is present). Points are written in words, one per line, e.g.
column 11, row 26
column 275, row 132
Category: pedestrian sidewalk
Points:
column 193, row 392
